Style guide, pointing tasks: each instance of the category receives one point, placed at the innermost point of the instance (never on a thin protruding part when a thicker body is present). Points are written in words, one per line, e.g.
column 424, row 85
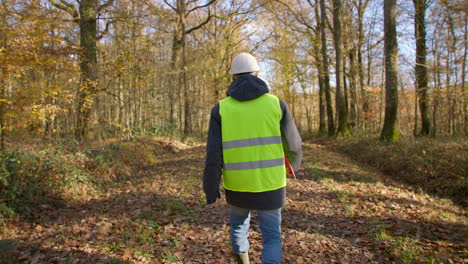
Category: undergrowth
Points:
column 29, row 177
column 35, row 174
column 430, row 165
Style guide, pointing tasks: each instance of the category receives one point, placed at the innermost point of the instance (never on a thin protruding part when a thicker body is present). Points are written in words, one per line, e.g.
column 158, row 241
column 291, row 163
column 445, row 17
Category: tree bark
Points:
column 353, row 102
column 341, row 108
column 4, row 74
column 88, row 66
column 421, row 67
column 437, row 83
column 179, row 62
column 464, row 92
column 325, row 73
column 86, row 16
column 390, row 131
column 187, row 106
column 363, row 93
column 321, row 82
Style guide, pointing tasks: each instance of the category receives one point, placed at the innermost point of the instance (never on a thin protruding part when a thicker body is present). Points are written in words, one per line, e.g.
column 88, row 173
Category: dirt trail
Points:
column 337, row 212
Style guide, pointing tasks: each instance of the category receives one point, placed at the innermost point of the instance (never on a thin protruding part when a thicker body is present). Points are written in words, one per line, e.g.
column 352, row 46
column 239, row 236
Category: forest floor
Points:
column 338, row 211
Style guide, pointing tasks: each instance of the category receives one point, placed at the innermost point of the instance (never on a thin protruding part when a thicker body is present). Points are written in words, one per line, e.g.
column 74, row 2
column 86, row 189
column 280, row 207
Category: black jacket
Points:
column 247, row 87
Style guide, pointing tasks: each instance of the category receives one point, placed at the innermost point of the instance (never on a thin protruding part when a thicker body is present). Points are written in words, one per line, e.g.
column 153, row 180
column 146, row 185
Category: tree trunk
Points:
column 421, row 67
column 390, row 131
column 453, row 96
column 319, row 64
column 343, row 129
column 4, row 73
column 438, row 84
column 322, row 125
column 185, row 86
column 448, row 93
column 464, row 92
column 353, row 106
column 175, row 75
column 88, row 66
column 415, row 129
column 182, row 71
column 363, row 94
column 324, row 73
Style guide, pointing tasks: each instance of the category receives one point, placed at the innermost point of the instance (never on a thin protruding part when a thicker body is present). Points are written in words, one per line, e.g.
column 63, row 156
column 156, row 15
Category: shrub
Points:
column 27, row 177
column 434, row 166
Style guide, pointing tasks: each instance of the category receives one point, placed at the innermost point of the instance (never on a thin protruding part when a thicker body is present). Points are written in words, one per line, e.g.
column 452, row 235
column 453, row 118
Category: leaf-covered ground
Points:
column 337, row 212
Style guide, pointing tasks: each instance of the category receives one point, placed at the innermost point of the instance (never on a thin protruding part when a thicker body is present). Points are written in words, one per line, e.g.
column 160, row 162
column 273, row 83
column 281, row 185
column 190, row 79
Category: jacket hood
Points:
column 247, row 87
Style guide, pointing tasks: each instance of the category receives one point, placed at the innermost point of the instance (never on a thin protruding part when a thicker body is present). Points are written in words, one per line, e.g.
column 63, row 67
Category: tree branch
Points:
column 374, row 45
column 296, row 16
column 201, row 24
column 312, row 5
column 258, row 44
column 200, row 6
column 106, row 30
column 67, row 7
column 75, row 20
column 67, row 4
column 105, row 5
column 159, row 11
column 171, row 6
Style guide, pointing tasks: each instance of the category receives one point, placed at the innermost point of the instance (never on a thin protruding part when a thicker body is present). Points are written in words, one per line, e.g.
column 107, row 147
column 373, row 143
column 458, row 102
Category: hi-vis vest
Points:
column 252, row 147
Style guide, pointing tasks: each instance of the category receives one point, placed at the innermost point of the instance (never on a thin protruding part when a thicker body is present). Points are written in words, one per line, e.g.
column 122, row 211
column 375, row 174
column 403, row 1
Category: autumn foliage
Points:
column 140, row 201
column 99, row 161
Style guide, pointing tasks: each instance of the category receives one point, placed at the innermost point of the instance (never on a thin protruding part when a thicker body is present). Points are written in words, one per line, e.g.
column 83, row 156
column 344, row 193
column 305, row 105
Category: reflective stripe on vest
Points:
column 251, row 142
column 252, row 148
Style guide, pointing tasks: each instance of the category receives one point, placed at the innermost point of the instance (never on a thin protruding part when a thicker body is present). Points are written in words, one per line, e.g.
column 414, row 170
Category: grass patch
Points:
column 118, row 261
column 430, row 165
column 382, row 235
column 169, row 257
column 38, row 173
column 317, row 173
column 409, row 252
column 405, row 249
column 28, row 177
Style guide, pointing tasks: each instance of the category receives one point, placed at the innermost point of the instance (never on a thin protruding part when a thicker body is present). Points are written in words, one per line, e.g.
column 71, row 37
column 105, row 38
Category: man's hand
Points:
column 212, row 198
column 211, row 201
column 289, row 168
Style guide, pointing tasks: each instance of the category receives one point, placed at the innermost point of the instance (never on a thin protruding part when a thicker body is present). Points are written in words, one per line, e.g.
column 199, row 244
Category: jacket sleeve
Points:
column 292, row 141
column 214, row 158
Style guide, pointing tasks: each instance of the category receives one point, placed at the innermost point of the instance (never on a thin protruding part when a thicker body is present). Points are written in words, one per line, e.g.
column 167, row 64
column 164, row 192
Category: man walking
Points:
column 250, row 132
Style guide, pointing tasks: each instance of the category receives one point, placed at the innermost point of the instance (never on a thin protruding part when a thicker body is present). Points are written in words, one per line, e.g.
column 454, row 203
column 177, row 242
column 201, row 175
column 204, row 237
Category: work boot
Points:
column 242, row 258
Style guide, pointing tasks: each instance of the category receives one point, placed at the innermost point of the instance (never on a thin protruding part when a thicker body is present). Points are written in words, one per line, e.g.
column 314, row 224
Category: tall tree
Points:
column 465, row 93
column 361, row 6
column 322, row 106
column 300, row 14
column 325, row 68
column 86, row 16
column 390, row 131
column 341, row 107
column 3, row 70
column 182, row 9
column 420, row 7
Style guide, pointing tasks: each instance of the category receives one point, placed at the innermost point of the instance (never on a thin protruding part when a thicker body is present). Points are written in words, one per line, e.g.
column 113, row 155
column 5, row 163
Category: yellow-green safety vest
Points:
column 252, row 148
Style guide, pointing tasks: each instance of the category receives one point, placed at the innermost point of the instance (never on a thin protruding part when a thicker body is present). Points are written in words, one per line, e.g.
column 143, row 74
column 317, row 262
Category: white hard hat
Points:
column 243, row 63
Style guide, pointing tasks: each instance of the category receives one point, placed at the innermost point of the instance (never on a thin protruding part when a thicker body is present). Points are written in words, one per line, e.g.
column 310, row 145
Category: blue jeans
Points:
column 270, row 225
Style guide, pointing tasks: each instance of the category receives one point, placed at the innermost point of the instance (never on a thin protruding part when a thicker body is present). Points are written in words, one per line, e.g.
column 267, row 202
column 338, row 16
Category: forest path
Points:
column 337, row 211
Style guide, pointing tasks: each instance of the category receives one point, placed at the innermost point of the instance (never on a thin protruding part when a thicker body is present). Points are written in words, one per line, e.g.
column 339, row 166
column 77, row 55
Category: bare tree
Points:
column 325, row 69
column 182, row 9
column 341, row 107
column 390, row 131
column 361, row 5
column 86, row 16
column 420, row 7
column 3, row 71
